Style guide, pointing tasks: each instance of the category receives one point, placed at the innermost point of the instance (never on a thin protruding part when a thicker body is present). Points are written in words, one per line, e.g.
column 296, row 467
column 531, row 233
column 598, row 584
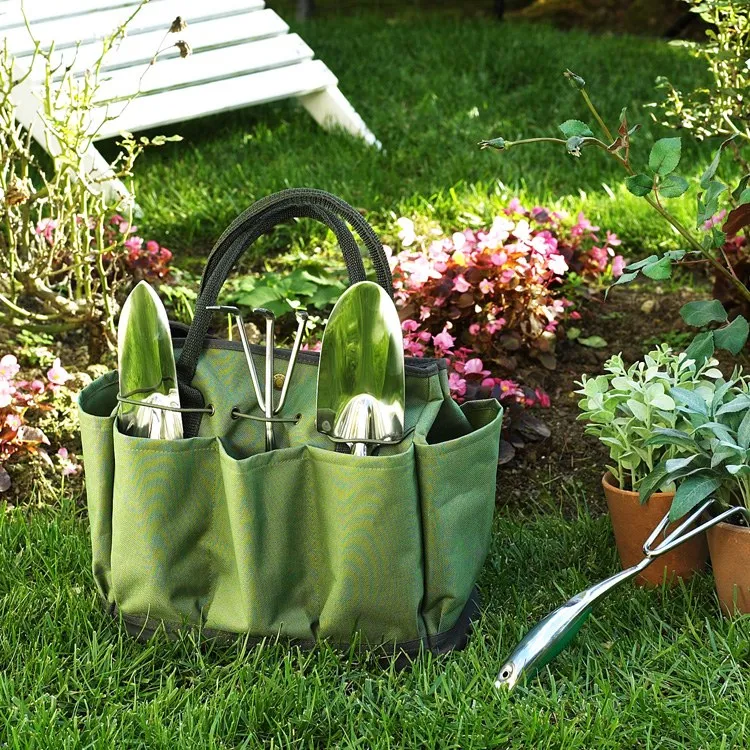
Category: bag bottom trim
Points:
column 144, row 628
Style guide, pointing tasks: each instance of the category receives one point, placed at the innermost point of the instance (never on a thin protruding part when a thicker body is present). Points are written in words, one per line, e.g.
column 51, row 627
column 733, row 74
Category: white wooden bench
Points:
column 242, row 54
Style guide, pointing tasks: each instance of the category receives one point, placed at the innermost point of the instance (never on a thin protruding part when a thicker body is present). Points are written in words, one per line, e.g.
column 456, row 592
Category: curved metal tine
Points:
column 301, row 328
column 677, row 536
column 707, row 525
column 231, row 310
column 270, row 319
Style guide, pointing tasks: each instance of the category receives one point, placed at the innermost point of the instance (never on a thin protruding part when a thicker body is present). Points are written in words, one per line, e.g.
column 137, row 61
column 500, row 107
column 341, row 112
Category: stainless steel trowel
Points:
column 361, row 392
column 145, row 360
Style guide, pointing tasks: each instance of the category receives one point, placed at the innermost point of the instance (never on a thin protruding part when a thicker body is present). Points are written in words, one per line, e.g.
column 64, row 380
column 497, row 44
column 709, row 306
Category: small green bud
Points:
column 575, row 81
column 496, row 143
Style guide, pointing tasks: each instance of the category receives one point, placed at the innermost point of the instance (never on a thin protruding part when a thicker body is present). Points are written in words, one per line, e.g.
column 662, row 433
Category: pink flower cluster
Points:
column 482, row 296
column 145, row 259
column 18, row 398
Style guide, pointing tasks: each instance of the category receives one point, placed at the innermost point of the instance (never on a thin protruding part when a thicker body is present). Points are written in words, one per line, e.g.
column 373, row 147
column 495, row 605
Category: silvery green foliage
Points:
column 714, row 439
column 627, row 406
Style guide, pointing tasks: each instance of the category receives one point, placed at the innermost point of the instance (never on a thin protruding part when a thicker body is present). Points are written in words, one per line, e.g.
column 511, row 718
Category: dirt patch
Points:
column 565, row 471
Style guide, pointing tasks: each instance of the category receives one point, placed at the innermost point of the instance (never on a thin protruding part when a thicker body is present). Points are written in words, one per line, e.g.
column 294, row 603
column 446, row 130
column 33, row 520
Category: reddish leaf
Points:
column 28, row 434
column 738, row 218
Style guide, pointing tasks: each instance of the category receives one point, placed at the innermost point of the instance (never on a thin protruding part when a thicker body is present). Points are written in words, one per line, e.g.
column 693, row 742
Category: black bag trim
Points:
column 455, row 639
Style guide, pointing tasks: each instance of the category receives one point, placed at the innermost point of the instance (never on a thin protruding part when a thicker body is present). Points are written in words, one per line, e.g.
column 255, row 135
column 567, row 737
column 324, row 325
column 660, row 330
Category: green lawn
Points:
column 430, row 89
column 651, row 669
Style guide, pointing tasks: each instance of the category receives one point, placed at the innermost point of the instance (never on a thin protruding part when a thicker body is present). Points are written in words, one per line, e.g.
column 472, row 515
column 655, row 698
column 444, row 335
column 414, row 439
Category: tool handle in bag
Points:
column 257, row 220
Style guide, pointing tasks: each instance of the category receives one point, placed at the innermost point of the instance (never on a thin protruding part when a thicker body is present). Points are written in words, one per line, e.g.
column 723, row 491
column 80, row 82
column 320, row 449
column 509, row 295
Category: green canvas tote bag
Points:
column 304, row 542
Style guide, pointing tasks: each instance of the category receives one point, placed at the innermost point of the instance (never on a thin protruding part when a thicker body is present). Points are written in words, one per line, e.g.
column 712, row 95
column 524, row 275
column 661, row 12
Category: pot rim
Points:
column 607, row 484
column 729, row 528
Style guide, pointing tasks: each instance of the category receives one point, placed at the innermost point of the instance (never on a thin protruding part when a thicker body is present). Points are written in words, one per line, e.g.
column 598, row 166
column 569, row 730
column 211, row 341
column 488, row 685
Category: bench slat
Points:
column 203, row 35
column 66, row 32
column 227, row 62
column 178, row 105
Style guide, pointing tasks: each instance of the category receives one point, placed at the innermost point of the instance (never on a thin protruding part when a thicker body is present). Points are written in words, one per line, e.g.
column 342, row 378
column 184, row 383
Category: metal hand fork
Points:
column 265, row 402
column 555, row 632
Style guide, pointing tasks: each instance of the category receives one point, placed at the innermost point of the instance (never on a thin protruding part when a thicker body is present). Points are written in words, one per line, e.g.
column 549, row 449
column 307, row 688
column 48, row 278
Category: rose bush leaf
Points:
column 702, row 312
column 665, row 156
column 732, row 337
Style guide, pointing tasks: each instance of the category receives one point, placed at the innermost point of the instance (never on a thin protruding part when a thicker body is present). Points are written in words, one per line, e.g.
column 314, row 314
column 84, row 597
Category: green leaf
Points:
column 694, row 401
column 640, row 411
column 741, row 189
column 708, row 202
column 665, row 156
column 573, row 333
column 744, row 196
column 743, row 432
column 652, row 482
column 670, row 437
column 738, row 403
column 702, row 312
column 593, row 342
column 702, row 348
column 707, row 176
column 690, row 493
column 576, row 127
column 673, row 186
column 732, row 337
column 660, row 270
column 639, row 184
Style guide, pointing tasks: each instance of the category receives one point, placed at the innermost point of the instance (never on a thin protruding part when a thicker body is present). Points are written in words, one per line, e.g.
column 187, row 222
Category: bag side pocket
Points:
column 95, row 405
column 163, row 555
column 457, row 480
column 368, row 533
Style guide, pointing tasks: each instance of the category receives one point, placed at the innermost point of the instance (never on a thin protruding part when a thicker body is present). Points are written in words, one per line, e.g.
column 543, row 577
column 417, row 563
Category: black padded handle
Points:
column 257, row 220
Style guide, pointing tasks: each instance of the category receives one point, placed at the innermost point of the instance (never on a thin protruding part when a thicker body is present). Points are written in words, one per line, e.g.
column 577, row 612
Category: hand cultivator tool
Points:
column 555, row 632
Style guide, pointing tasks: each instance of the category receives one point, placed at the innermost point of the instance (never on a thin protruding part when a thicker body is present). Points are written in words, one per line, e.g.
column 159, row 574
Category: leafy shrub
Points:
column 715, row 441
column 498, row 291
column 721, row 107
column 627, row 405
column 61, row 267
column 27, row 407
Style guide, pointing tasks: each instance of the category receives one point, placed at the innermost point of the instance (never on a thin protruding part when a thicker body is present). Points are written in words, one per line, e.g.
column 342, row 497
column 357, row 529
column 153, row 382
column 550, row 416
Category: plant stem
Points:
column 596, row 114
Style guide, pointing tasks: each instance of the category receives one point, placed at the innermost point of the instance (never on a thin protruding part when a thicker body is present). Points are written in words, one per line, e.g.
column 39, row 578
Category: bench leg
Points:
column 330, row 109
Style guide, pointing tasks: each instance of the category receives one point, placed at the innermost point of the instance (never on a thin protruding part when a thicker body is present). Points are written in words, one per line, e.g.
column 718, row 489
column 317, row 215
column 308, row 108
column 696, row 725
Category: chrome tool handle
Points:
column 555, row 632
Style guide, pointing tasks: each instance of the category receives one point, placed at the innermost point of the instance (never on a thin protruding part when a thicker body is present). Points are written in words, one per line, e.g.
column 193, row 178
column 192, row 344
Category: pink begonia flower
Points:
column 424, row 312
column 618, row 265
column 488, row 383
column 583, row 225
column 557, row 265
column 424, row 336
column 575, row 315
column 12, row 421
column 6, row 393
column 46, row 228
column 63, row 453
column 515, row 207
column 37, row 386
column 507, row 275
column 152, row 246
column 406, row 231
column 444, row 340
column 409, row 325
column 57, row 374
column 522, row 231
column 460, row 284
column 599, row 256
column 495, row 325
column 499, row 259
column 9, row 367
column 543, row 398
column 475, row 367
column 133, row 244
column 613, row 239
column 474, row 329
column 459, row 241
column 414, row 348
column 715, row 220
column 68, row 466
column 486, row 286
column 457, row 384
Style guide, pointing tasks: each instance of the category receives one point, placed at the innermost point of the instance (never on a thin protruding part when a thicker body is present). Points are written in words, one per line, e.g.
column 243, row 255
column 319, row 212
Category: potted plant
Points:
column 624, row 408
column 714, row 438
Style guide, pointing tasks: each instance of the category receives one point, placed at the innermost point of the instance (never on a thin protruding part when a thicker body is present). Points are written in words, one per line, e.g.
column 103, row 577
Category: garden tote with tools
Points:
column 252, row 491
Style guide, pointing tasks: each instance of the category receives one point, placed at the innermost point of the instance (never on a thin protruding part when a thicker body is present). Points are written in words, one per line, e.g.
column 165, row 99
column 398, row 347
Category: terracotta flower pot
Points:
column 633, row 523
column 730, row 555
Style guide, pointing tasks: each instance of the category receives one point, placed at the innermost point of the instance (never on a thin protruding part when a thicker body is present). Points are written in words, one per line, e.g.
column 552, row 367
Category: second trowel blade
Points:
column 361, row 393
column 146, row 365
